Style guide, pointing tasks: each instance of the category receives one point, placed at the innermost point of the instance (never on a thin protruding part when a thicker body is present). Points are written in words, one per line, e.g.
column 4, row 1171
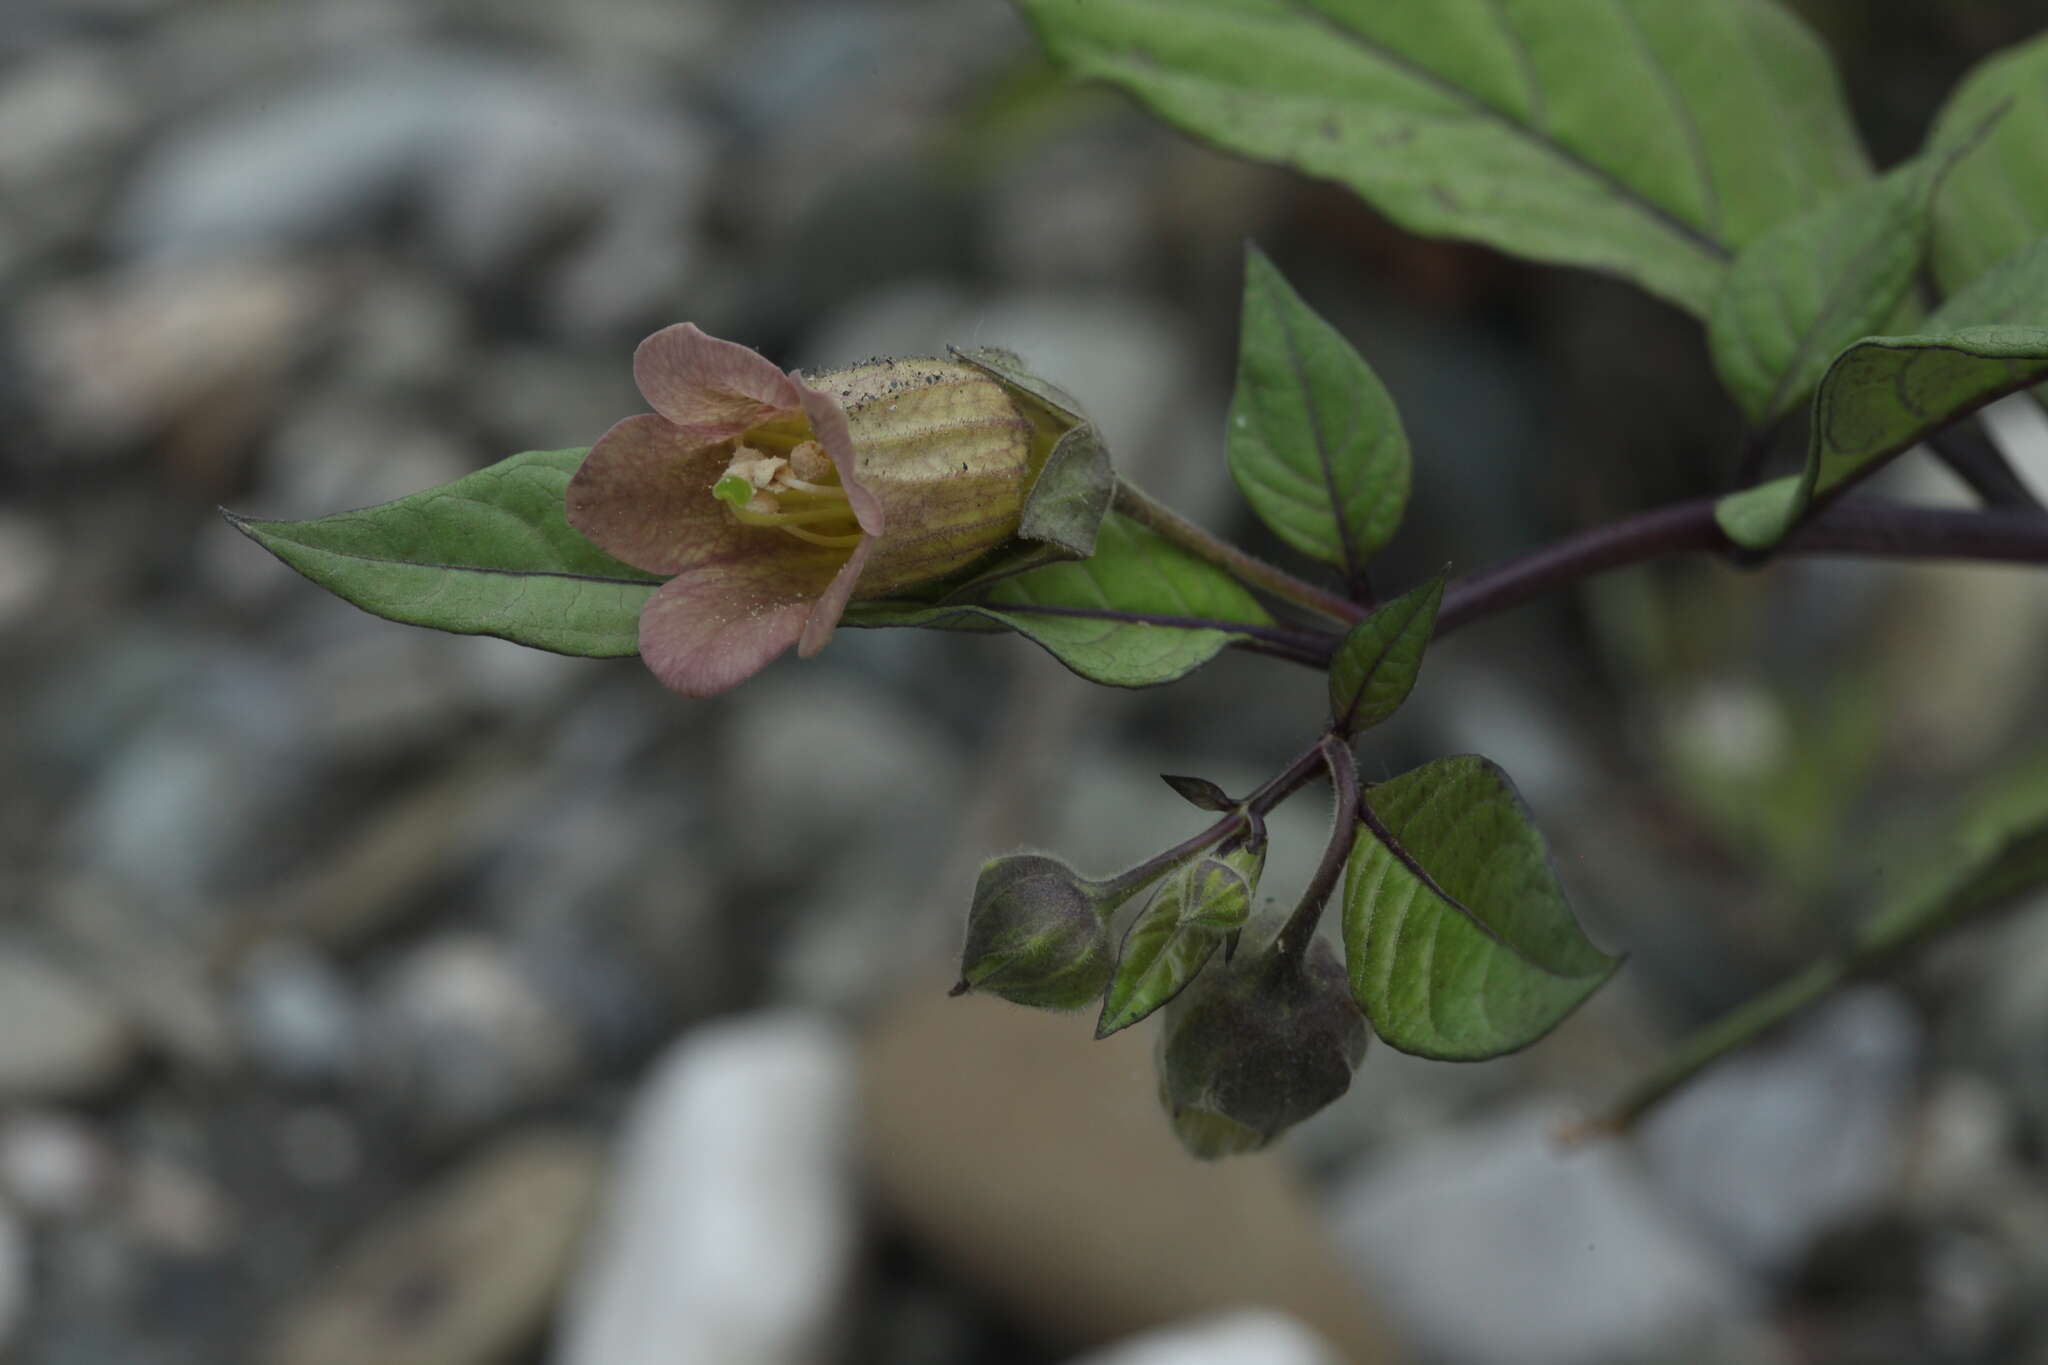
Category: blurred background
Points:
column 371, row 995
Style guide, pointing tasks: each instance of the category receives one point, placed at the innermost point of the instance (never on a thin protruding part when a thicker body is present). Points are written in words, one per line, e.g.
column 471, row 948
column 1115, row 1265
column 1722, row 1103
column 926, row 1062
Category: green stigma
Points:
column 733, row 488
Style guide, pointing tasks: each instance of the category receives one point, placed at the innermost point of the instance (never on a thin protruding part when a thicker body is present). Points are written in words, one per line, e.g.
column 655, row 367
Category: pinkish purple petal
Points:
column 828, row 424
column 643, row 494
column 717, row 625
column 713, row 388
column 831, row 604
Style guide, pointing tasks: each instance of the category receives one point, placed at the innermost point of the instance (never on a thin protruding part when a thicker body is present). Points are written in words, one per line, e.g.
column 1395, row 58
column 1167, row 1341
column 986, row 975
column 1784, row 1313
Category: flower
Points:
column 771, row 500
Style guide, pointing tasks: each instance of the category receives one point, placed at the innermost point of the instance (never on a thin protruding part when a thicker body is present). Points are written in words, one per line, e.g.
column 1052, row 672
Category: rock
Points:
column 464, row 1274
column 730, row 1225
column 59, row 1038
column 1036, row 1162
column 816, row 767
column 52, row 1164
column 28, row 567
column 1245, row 1338
column 1772, row 1148
column 14, row 1276
column 176, row 1211
column 459, row 1036
column 1496, row 1248
column 299, row 1019
column 192, row 352
column 498, row 158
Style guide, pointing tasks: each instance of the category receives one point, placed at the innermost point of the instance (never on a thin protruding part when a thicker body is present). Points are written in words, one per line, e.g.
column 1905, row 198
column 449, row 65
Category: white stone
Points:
column 1251, row 1337
column 730, row 1225
column 1497, row 1248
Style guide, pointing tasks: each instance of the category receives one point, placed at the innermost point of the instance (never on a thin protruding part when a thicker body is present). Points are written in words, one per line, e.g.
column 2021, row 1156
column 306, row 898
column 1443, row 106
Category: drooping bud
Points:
column 1037, row 934
column 1198, row 908
column 1256, row 1046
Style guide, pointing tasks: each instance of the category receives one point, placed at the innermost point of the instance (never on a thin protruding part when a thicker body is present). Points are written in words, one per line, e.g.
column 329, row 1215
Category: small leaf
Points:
column 1173, row 937
column 1996, row 850
column 1815, row 283
column 1647, row 138
column 1996, row 202
column 1479, row 956
column 489, row 554
column 1314, row 441
column 1199, row 792
column 1138, row 612
column 1374, row 669
column 1878, row 398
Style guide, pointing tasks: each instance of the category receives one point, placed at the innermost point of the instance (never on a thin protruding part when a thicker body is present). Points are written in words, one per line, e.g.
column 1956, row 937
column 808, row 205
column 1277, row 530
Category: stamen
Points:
column 808, row 461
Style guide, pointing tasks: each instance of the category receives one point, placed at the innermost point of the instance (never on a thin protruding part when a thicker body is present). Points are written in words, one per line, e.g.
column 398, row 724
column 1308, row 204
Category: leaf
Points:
column 489, row 554
column 1375, row 666
column 1139, row 612
column 1647, row 138
column 1996, row 850
column 1199, row 792
column 1314, row 441
column 2014, row 291
column 1172, row 938
column 1815, row 283
column 1996, row 202
column 1489, row 958
column 1878, row 398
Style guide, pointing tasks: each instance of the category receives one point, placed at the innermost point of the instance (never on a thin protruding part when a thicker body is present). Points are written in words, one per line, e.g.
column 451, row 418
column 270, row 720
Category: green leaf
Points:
column 1878, row 398
column 1648, row 138
column 489, row 554
column 1373, row 670
column 1313, row 439
column 1173, row 937
column 1815, row 283
column 1995, row 850
column 2015, row 291
column 1479, row 954
column 1996, row 202
column 1139, row 612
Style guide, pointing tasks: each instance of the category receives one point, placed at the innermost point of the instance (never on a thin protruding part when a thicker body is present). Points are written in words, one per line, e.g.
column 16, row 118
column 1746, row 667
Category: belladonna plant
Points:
column 757, row 508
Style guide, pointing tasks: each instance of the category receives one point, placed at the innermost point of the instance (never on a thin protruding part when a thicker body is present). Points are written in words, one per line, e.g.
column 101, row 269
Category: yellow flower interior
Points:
column 780, row 477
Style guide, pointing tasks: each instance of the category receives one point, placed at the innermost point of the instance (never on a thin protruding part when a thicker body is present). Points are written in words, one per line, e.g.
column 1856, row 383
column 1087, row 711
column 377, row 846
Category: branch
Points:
column 1860, row 526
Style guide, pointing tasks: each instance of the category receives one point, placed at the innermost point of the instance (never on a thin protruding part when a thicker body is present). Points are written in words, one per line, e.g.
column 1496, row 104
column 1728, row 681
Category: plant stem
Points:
column 1860, row 526
column 1736, row 1029
column 1300, row 928
column 1248, row 569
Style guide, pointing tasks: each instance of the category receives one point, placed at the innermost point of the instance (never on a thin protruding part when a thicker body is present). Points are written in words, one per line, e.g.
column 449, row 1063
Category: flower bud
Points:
column 1256, row 1046
column 1037, row 934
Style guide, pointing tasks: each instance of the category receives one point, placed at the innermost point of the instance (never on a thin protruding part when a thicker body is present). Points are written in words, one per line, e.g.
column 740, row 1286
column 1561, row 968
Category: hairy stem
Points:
column 1736, row 1029
column 1248, row 569
column 1301, row 925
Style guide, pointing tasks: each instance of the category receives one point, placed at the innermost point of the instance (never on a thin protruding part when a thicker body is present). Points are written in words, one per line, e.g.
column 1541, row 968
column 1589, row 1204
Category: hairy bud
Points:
column 1037, row 934
column 1254, row 1047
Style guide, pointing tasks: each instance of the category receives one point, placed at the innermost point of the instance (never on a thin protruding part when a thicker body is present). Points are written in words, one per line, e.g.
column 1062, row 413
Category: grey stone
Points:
column 497, row 156
column 1772, row 1148
column 731, row 1221
column 299, row 1019
column 59, row 1038
column 461, row 1037
column 14, row 1276
column 53, row 1164
column 1497, row 1248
